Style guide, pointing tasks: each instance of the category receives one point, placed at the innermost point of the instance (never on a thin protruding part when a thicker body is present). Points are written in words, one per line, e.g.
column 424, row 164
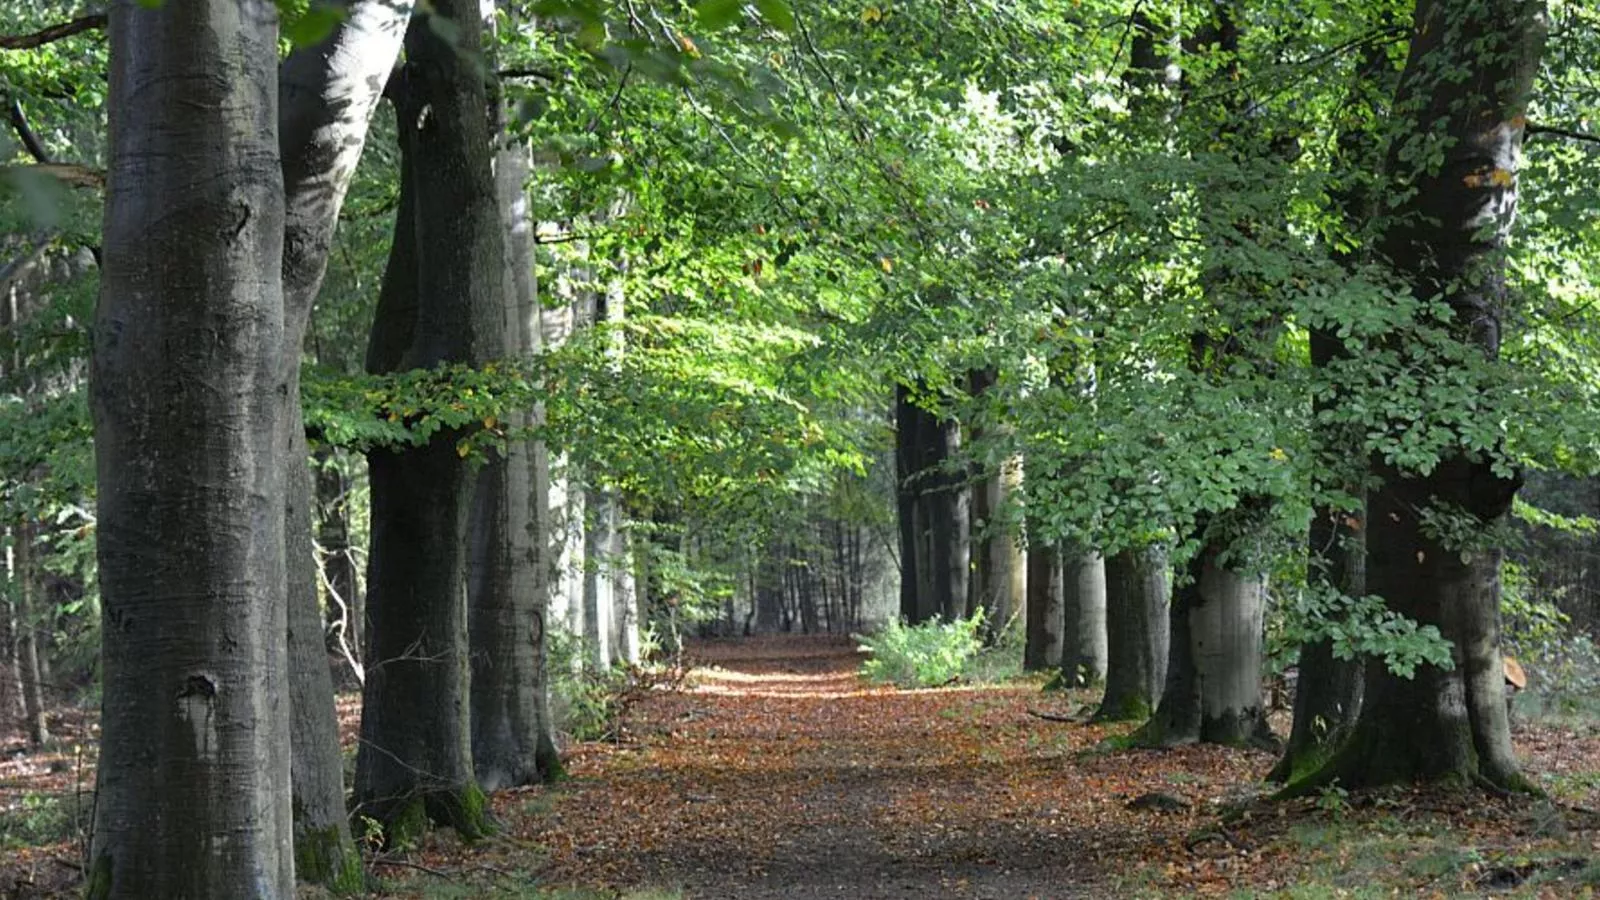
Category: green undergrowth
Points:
column 937, row 653
column 37, row 819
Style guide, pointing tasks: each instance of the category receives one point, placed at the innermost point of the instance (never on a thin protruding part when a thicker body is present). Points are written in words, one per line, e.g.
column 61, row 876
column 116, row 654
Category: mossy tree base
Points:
column 1131, row 708
column 328, row 857
column 404, row 822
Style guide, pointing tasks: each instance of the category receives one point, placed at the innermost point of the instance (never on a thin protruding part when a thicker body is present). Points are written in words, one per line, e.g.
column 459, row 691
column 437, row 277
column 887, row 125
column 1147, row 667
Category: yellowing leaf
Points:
column 887, row 264
column 1501, row 178
column 871, row 14
column 462, row 449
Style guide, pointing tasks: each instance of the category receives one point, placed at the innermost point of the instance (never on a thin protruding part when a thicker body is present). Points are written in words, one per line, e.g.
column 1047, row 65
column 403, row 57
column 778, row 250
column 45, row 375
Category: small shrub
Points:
column 37, row 820
column 929, row 654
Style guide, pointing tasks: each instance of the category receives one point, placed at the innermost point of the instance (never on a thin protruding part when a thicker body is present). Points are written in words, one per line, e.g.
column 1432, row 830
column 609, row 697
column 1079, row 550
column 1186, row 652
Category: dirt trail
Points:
column 782, row 775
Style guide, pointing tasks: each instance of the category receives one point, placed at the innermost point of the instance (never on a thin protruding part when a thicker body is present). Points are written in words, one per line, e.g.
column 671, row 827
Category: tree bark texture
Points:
column 935, row 542
column 415, row 758
column 512, row 738
column 188, row 396
column 327, row 93
column 1213, row 685
column 1463, row 97
column 1137, row 632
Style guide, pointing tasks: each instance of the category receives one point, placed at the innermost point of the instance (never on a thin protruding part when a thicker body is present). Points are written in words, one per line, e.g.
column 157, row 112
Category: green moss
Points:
column 1134, row 708
column 98, row 885
column 406, row 825
column 328, row 857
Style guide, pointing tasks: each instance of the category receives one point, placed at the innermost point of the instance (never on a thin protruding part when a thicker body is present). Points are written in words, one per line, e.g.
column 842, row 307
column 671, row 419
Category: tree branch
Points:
column 67, row 173
column 30, row 140
column 1567, row 133
column 91, row 22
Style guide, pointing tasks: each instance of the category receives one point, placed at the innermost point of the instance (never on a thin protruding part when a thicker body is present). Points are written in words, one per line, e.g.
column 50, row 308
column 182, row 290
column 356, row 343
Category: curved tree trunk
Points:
column 327, row 94
column 1137, row 633
column 187, row 392
column 1464, row 97
column 415, row 758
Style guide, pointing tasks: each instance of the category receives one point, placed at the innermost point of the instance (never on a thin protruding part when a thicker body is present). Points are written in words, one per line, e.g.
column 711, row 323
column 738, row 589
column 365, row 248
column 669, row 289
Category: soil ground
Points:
column 776, row 773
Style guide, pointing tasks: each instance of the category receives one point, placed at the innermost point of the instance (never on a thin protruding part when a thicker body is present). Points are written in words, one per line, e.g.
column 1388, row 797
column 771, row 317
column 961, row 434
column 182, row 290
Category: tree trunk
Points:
column 28, row 650
column 935, row 547
column 513, row 742
column 599, row 603
column 1083, row 637
column 415, row 758
column 998, row 568
column 1463, row 97
column 327, row 94
column 187, row 392
column 1328, row 690
column 1136, row 633
column 1213, row 685
column 1046, row 613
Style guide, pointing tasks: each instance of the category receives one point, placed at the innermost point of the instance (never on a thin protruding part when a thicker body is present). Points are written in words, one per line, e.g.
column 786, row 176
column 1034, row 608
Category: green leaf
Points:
column 715, row 14
column 777, row 13
column 314, row 27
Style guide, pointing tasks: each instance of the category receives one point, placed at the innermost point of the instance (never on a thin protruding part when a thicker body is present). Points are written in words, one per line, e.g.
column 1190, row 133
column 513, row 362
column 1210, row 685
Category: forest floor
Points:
column 775, row 772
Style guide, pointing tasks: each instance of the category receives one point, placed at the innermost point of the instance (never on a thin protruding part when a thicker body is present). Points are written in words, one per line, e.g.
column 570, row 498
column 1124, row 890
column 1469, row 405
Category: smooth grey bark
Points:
column 188, row 397
column 1213, row 685
column 441, row 303
column 1463, row 99
column 1084, row 649
column 1137, row 594
column 1045, row 610
column 934, row 512
column 512, row 738
column 327, row 94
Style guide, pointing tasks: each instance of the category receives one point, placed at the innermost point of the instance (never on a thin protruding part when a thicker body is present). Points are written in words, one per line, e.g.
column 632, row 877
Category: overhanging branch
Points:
column 1570, row 134
column 91, row 22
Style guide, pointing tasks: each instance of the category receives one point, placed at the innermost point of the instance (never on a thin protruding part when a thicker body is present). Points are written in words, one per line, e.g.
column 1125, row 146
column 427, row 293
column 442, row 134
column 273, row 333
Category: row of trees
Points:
column 1166, row 318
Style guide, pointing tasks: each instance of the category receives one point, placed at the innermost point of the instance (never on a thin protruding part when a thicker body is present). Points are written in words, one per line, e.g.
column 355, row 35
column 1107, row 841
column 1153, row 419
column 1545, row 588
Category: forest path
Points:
column 781, row 774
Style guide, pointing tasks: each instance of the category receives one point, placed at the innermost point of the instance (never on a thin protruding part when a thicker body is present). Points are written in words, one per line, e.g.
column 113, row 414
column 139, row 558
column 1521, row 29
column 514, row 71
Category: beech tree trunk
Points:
column 188, row 397
column 935, row 543
column 1084, row 649
column 1213, row 684
column 512, row 737
column 441, row 302
column 1137, row 632
column 1328, row 690
column 1463, row 97
column 327, row 94
column 997, row 584
column 1046, row 612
